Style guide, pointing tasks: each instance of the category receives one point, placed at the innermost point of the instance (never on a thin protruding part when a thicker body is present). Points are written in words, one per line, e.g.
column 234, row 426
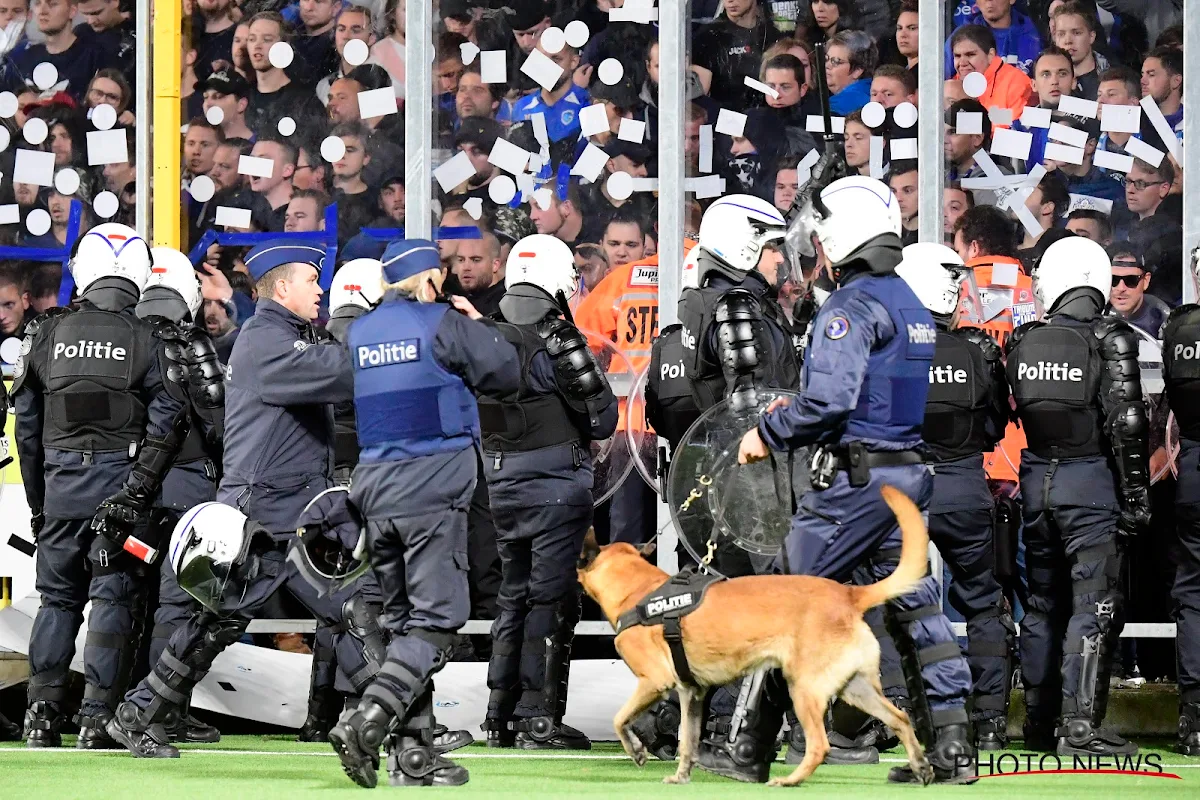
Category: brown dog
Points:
column 810, row 628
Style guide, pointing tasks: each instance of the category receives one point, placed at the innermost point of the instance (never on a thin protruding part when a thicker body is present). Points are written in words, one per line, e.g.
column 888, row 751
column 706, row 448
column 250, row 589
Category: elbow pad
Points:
column 206, row 378
column 576, row 372
column 738, row 318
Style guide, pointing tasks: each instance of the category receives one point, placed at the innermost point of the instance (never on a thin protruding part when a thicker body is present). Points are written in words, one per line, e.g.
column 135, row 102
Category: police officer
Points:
column 1181, row 370
column 93, row 417
column 416, row 363
column 539, row 473
column 9, row 730
column 965, row 416
column 866, row 383
column 193, row 375
column 357, row 288
column 282, row 380
column 1085, row 489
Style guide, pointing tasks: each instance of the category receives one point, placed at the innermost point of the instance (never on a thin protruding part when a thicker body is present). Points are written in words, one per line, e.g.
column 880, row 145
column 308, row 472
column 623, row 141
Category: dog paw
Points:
column 677, row 779
column 925, row 773
column 775, row 782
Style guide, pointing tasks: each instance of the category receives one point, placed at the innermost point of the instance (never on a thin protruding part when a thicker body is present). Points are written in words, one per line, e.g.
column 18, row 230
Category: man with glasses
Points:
column 1128, row 298
column 1150, row 227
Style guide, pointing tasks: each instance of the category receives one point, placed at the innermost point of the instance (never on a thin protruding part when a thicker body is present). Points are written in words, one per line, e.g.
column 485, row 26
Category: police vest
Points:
column 407, row 404
column 529, row 421
column 891, row 402
column 670, row 407
column 956, row 412
column 1054, row 370
column 1181, row 368
column 98, row 365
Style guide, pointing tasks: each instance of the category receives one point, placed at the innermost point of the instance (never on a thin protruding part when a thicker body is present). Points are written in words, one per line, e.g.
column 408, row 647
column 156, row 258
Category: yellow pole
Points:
column 168, row 76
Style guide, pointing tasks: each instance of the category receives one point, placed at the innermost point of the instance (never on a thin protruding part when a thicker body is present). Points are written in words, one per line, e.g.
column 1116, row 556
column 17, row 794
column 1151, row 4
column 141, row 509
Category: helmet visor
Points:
column 798, row 241
column 206, row 579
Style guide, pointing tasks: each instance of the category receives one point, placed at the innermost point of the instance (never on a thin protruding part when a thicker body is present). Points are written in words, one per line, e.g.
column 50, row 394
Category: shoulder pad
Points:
column 1181, row 311
column 35, row 324
column 560, row 336
column 981, row 339
column 1117, row 337
column 738, row 304
column 1019, row 333
column 167, row 331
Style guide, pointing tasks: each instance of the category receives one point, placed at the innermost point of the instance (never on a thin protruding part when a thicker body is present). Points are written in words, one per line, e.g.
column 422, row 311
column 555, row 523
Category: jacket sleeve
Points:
column 477, row 353
column 291, row 371
column 597, row 312
column 836, row 368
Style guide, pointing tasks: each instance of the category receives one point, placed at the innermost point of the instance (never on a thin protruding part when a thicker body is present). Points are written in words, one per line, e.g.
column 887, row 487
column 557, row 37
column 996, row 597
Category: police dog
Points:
column 810, row 628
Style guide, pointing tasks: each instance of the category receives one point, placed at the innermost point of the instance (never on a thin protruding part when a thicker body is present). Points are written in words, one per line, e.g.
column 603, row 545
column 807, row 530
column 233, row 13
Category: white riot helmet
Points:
column 172, row 290
column 844, row 216
column 733, row 232
column 934, row 273
column 111, row 250
column 691, row 270
column 357, row 283
column 540, row 276
column 1071, row 263
column 209, row 550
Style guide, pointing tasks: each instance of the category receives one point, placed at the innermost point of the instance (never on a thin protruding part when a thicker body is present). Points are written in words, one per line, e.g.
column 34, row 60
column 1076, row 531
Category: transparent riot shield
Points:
column 643, row 441
column 611, row 459
column 733, row 518
column 1162, row 459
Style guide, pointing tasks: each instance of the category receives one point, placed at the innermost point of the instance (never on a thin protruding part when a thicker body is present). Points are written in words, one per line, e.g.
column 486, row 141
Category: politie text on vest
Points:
column 1049, row 371
column 89, row 349
column 387, row 353
column 947, row 375
column 920, row 333
column 1188, row 351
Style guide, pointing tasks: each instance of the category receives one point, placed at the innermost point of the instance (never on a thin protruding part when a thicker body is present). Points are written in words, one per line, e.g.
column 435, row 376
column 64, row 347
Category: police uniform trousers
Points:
column 482, row 553
column 202, row 636
column 542, row 504
column 961, row 526
column 1186, row 554
column 845, row 533
column 1074, row 563
column 73, row 566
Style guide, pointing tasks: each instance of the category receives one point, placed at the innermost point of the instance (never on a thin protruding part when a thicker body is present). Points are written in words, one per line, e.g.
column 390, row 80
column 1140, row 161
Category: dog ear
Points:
column 591, row 549
column 649, row 548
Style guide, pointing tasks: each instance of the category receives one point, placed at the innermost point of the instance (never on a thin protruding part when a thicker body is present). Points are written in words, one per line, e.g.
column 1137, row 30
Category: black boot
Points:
column 658, row 728
column 991, row 733
column 842, row 750
column 548, row 733
column 357, row 737
column 498, row 722
column 43, row 724
column 92, row 733
column 130, row 728
column 447, row 741
column 322, row 715
column 9, row 730
column 1080, row 737
column 952, row 759
column 1189, row 730
column 1039, row 736
column 191, row 730
column 748, row 754
column 411, row 762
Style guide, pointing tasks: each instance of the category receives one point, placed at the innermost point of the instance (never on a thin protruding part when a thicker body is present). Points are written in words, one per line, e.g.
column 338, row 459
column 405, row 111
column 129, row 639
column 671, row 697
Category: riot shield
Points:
column 1162, row 460
column 732, row 517
column 611, row 460
column 643, row 441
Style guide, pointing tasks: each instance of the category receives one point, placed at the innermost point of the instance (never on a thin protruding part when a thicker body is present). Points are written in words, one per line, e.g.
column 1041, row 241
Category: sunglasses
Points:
column 1130, row 281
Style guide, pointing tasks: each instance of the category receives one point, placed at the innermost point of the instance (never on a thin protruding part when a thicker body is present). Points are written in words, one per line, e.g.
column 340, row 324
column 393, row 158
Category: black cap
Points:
column 370, row 76
column 524, row 14
column 637, row 153
column 459, row 9
column 479, row 131
column 228, row 81
column 392, row 175
column 622, row 94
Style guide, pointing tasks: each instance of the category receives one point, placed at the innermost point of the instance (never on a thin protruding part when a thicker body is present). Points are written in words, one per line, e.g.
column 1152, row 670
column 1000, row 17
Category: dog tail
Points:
column 914, row 557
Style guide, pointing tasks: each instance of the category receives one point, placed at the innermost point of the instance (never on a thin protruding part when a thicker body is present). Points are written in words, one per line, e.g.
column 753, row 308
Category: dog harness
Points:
column 679, row 596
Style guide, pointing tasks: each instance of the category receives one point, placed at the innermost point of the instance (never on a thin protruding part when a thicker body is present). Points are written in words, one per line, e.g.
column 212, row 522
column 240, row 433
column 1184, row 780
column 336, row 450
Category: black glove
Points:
column 119, row 515
column 1135, row 514
column 37, row 521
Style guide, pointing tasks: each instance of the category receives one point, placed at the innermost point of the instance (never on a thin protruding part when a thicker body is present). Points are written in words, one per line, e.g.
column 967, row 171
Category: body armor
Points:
column 670, row 407
column 968, row 395
column 1181, row 368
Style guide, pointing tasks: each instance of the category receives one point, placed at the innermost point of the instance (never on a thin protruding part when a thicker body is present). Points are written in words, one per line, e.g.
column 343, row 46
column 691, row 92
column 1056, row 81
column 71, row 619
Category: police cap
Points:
column 275, row 253
column 409, row 257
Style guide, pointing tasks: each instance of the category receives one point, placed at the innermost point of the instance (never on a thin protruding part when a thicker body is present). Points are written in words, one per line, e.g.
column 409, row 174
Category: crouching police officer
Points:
column 193, row 375
column 965, row 416
column 93, row 417
column 1181, row 370
column 865, row 384
column 357, row 288
column 416, row 362
column 1084, row 486
column 539, row 473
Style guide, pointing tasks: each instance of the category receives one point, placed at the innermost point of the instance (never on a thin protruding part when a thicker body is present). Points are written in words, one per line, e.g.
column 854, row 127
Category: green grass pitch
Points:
column 276, row 767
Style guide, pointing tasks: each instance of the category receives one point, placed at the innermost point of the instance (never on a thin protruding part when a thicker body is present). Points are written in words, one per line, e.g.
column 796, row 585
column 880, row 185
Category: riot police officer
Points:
column 539, row 472
column 416, row 362
column 283, row 378
column 863, row 403
column 1085, row 488
column 193, row 375
column 1181, row 371
column 357, row 288
column 93, row 417
column 965, row 416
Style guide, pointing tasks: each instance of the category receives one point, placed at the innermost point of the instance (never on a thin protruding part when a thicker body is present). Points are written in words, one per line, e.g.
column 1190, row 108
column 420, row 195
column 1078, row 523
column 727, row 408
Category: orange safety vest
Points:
column 1003, row 462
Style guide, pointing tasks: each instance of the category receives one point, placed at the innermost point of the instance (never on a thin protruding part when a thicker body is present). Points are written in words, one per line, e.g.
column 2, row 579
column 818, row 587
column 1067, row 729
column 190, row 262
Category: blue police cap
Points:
column 275, row 253
column 409, row 257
